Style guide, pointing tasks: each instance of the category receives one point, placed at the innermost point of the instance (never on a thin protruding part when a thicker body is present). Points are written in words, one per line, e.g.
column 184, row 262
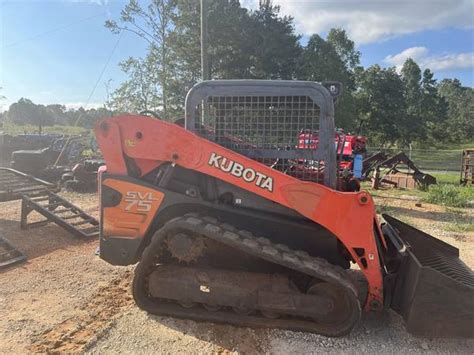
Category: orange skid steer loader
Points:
column 223, row 230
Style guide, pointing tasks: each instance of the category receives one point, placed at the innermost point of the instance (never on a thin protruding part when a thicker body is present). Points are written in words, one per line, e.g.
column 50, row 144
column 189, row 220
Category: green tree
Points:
column 89, row 117
column 2, row 114
column 412, row 124
column 334, row 59
column 242, row 44
column 229, row 46
column 263, row 44
column 460, row 122
column 344, row 47
column 153, row 24
column 434, row 109
column 141, row 91
column 56, row 113
column 275, row 48
column 228, row 30
column 381, row 103
column 25, row 111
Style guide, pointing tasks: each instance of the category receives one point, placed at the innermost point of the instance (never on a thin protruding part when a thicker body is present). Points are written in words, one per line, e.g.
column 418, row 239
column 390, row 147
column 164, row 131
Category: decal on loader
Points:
column 138, row 201
column 238, row 170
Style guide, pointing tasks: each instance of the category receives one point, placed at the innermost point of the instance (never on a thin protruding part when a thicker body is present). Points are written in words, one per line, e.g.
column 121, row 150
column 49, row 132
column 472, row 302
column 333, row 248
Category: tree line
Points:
column 27, row 112
column 391, row 107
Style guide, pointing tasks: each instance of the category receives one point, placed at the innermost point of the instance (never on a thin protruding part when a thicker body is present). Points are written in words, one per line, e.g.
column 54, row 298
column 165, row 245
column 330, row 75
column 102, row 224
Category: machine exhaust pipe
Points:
column 432, row 289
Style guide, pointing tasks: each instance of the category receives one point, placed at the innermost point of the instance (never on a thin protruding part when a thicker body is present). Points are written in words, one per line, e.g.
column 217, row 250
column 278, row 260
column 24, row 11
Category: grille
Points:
column 287, row 125
column 279, row 131
column 447, row 265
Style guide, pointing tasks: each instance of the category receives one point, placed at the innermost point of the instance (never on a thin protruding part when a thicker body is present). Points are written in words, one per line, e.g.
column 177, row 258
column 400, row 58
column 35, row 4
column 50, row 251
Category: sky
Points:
column 58, row 51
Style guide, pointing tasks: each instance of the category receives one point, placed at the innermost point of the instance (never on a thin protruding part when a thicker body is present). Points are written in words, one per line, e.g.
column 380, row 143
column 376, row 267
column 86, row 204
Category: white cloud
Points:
column 451, row 61
column 445, row 61
column 415, row 53
column 371, row 21
column 76, row 105
column 95, row 2
column 249, row 4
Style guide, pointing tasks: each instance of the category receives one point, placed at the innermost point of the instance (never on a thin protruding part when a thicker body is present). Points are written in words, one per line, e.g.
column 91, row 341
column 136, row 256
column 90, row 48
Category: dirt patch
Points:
column 74, row 334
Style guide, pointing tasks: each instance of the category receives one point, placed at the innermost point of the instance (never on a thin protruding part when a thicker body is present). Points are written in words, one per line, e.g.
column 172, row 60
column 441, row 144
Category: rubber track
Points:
column 260, row 247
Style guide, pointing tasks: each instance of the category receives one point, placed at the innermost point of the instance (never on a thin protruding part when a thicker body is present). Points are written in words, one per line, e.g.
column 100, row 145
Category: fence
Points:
column 426, row 160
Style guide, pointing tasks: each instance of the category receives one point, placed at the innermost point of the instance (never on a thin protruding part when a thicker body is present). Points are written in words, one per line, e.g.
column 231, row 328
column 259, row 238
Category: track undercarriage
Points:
column 191, row 270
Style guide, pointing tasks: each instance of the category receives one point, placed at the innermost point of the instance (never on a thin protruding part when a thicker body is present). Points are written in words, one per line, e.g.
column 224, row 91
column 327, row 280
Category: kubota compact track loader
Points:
column 223, row 230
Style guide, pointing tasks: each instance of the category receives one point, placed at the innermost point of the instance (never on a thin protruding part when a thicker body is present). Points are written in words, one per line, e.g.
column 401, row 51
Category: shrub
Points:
column 449, row 195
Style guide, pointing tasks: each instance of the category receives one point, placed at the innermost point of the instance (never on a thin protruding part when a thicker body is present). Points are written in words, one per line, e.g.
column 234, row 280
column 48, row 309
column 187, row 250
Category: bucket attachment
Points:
column 433, row 289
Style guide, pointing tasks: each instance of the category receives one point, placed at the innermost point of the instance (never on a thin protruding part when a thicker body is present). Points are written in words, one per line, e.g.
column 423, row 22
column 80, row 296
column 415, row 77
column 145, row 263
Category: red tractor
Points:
column 350, row 151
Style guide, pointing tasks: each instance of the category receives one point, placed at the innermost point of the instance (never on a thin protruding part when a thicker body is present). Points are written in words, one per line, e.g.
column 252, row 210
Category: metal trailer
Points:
column 467, row 167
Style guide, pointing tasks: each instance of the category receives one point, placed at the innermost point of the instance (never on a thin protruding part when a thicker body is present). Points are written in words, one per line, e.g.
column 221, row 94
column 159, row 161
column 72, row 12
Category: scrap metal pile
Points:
column 383, row 169
column 9, row 143
column 397, row 170
column 54, row 158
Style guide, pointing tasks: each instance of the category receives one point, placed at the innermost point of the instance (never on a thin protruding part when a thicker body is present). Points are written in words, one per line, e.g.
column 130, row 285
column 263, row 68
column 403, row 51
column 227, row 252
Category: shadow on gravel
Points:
column 380, row 332
column 39, row 241
column 230, row 338
column 387, row 330
column 420, row 213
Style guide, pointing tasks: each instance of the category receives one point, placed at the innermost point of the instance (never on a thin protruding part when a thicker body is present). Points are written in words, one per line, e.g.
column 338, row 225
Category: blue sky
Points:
column 54, row 51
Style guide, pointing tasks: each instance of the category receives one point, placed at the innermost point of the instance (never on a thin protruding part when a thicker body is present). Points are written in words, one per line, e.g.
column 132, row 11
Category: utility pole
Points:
column 204, row 42
column 204, row 57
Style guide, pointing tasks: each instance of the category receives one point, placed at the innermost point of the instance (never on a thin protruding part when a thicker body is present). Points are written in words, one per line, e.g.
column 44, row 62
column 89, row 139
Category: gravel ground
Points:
column 67, row 299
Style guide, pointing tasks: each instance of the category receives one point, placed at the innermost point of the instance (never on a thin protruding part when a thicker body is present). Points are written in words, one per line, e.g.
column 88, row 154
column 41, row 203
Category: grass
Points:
column 447, row 178
column 454, row 146
column 15, row 129
column 460, row 227
column 449, row 195
column 441, row 160
column 383, row 208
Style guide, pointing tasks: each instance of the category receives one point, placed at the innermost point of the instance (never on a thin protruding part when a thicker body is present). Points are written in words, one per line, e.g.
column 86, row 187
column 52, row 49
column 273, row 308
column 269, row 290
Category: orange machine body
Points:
column 149, row 143
column 133, row 215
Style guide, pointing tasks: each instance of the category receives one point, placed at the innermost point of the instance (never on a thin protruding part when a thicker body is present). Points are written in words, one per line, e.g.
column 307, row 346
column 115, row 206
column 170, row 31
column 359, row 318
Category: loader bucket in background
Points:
column 434, row 289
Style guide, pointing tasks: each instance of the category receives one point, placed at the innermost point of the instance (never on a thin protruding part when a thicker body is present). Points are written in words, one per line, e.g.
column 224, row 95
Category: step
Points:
column 61, row 216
